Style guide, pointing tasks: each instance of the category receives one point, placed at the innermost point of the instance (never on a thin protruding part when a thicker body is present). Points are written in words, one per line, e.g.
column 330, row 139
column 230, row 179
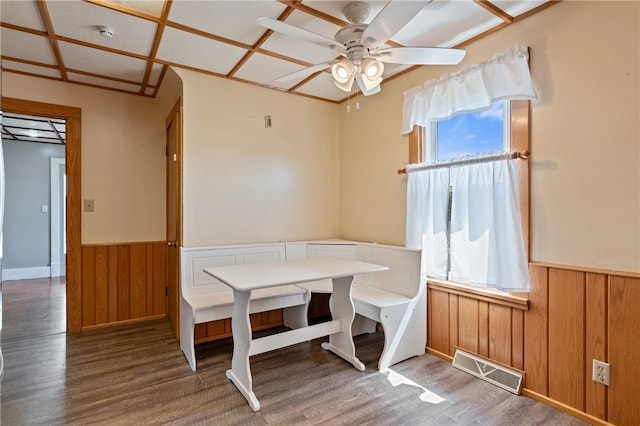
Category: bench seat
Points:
column 395, row 298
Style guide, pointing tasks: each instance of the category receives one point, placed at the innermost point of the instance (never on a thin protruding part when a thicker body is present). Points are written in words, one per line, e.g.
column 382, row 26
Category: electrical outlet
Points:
column 601, row 372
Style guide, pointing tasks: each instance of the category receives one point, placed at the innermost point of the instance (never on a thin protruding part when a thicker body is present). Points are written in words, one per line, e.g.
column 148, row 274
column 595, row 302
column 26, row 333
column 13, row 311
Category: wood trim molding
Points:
column 502, row 299
column 614, row 272
column 416, row 145
column 73, row 158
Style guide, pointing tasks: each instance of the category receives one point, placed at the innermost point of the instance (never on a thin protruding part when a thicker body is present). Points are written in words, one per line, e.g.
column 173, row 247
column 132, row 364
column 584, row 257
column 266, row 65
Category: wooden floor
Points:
column 137, row 375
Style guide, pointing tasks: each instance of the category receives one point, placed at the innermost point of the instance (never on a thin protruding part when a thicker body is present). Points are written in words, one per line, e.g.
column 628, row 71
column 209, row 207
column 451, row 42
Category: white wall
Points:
column 243, row 182
column 585, row 137
column 26, row 227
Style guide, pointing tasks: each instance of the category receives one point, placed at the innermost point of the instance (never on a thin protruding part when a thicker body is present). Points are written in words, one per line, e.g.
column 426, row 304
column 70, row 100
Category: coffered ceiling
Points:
column 61, row 39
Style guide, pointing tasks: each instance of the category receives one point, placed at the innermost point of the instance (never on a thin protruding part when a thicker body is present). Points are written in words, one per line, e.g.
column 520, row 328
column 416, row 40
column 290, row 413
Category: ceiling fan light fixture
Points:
column 342, row 71
column 368, row 87
column 372, row 68
column 371, row 73
column 346, row 86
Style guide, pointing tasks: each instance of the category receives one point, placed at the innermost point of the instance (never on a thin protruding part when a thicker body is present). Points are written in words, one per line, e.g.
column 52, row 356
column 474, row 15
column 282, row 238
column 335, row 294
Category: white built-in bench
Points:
column 204, row 299
column 395, row 298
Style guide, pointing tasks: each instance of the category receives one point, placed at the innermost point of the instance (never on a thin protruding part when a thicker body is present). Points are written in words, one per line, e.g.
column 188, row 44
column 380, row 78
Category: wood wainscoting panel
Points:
column 536, row 332
column 123, row 283
column 484, row 323
column 517, row 339
column 500, row 333
column 220, row 329
column 468, row 327
column 438, row 321
column 122, row 262
column 102, row 284
column 88, row 287
column 453, row 323
column 574, row 315
column 596, row 341
column 624, row 350
column 567, row 339
column 483, row 328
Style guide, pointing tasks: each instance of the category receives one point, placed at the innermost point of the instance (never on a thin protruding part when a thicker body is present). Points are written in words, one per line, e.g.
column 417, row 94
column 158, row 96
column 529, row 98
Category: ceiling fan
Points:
column 360, row 45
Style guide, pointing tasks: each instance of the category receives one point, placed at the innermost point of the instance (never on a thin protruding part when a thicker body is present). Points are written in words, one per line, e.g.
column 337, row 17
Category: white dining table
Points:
column 243, row 278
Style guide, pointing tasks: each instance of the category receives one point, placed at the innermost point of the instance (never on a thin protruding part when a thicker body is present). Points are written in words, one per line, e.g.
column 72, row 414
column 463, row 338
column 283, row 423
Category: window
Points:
column 506, row 121
column 469, row 134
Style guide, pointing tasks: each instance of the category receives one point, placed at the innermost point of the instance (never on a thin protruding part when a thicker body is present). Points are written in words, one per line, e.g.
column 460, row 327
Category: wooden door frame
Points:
column 73, row 169
column 174, row 117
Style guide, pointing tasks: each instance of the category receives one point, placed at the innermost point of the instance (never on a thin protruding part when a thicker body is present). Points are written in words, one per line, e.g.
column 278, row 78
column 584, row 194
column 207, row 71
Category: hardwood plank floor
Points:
column 137, row 375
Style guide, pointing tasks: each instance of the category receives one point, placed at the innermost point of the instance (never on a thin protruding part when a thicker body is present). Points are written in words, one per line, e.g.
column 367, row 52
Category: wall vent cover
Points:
column 488, row 371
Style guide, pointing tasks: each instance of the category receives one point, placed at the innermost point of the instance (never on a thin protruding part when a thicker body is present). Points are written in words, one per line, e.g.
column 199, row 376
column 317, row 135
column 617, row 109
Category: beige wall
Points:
column 123, row 157
column 585, row 179
column 245, row 183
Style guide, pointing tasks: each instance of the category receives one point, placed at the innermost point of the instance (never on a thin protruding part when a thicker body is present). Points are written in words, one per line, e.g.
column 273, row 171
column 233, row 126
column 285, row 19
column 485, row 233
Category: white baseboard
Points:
column 26, row 273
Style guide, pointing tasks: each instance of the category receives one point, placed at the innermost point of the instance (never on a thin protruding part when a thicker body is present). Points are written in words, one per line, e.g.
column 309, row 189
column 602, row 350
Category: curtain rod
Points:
column 515, row 154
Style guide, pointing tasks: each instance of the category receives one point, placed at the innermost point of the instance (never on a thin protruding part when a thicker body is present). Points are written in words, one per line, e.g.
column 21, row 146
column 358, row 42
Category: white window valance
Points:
column 475, row 87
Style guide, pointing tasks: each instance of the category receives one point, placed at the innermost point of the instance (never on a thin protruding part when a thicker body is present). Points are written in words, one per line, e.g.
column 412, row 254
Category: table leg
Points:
column 240, row 373
column 342, row 308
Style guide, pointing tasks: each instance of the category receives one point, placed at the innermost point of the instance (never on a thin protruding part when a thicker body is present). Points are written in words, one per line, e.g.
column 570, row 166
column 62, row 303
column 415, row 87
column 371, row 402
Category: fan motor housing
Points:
column 350, row 35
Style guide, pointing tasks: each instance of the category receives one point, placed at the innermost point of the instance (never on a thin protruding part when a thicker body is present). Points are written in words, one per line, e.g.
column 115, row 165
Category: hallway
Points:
column 33, row 308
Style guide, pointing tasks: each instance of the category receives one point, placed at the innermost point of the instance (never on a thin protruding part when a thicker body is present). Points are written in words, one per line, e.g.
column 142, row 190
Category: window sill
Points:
column 495, row 297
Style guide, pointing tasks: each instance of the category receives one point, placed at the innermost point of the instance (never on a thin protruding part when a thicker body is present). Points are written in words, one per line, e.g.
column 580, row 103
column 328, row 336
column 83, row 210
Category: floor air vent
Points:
column 488, row 371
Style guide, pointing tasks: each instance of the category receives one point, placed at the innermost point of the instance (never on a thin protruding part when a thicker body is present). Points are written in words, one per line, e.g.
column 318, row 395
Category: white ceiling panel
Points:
column 323, row 87
column 266, row 69
column 234, row 20
column 217, row 36
column 180, row 47
column 515, row 8
column 102, row 82
column 148, row 7
column 22, row 13
column 31, row 69
column 83, row 58
column 80, row 20
column 21, row 45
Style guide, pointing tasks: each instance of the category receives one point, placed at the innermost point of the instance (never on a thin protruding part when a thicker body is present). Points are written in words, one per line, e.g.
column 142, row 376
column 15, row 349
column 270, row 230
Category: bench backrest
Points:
column 403, row 276
column 193, row 260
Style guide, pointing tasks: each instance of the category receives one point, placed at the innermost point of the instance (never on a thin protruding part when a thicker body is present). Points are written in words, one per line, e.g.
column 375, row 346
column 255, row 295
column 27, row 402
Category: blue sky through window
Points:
column 471, row 133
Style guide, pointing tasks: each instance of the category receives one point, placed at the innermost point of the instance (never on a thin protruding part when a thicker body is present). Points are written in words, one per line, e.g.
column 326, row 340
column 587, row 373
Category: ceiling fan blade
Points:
column 391, row 19
column 297, row 32
column 306, row 71
column 421, row 55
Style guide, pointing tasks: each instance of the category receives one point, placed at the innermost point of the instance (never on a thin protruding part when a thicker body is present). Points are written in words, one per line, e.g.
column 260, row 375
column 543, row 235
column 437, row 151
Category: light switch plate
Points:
column 89, row 205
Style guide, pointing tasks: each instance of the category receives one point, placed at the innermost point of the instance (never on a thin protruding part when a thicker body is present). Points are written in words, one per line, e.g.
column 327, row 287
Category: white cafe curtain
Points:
column 473, row 88
column 485, row 247
column 427, row 204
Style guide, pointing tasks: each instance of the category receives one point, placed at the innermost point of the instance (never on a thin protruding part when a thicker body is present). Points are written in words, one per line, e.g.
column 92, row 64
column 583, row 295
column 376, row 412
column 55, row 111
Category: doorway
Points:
column 73, row 204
